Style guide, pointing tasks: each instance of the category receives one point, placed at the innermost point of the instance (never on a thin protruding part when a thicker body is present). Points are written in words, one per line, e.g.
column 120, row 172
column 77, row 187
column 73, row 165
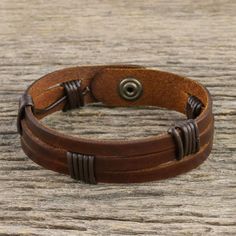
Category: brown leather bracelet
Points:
column 182, row 148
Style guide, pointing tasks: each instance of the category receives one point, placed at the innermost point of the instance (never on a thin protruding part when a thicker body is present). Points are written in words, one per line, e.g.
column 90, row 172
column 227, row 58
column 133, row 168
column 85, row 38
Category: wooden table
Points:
column 193, row 38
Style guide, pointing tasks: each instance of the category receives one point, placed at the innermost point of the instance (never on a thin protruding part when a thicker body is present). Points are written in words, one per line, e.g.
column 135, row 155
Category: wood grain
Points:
column 193, row 38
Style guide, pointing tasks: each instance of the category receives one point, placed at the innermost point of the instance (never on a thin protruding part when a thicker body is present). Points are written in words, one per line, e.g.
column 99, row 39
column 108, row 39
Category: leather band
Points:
column 183, row 148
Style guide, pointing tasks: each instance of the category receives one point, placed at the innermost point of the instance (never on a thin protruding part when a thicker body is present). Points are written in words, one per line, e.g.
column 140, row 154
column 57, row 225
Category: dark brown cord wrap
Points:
column 186, row 136
column 25, row 100
column 74, row 95
column 81, row 167
column 193, row 107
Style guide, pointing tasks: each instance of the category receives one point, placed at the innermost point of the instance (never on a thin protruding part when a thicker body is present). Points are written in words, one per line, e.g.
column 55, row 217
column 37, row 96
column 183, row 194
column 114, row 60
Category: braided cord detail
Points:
column 81, row 167
column 186, row 137
column 73, row 92
column 193, row 107
column 25, row 100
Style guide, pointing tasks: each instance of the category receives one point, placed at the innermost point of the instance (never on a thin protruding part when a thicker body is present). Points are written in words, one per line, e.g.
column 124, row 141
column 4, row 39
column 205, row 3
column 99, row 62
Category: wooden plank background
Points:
column 193, row 38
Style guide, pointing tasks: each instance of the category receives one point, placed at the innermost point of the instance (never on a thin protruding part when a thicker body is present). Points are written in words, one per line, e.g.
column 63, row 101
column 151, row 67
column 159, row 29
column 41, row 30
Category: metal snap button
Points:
column 130, row 89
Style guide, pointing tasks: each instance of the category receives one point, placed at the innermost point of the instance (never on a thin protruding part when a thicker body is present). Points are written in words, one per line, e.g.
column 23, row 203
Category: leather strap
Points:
column 183, row 148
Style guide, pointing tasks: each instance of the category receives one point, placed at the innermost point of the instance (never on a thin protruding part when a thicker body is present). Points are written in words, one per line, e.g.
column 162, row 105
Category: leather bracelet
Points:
column 182, row 148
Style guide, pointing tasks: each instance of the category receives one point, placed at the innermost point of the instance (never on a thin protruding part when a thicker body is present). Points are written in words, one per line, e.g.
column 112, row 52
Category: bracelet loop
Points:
column 117, row 161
